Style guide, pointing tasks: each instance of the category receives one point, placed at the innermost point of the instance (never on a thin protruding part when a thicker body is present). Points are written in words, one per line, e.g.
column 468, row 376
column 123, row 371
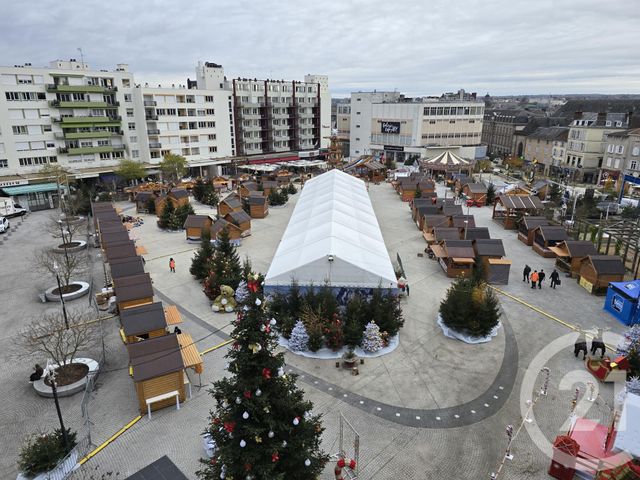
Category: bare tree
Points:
column 66, row 265
column 47, row 336
column 60, row 226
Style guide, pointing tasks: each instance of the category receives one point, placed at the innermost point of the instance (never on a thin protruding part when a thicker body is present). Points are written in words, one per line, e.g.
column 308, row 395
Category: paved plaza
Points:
column 433, row 408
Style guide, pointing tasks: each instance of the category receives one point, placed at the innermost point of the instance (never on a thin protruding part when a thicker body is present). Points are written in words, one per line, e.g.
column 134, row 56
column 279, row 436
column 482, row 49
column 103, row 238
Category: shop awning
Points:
column 190, row 354
column 172, row 315
column 35, row 188
column 560, row 252
column 438, row 251
column 463, row 260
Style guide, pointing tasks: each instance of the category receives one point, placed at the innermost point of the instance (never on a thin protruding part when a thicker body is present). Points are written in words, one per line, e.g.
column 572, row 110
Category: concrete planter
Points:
column 81, row 245
column 61, row 471
column 52, row 297
column 44, row 390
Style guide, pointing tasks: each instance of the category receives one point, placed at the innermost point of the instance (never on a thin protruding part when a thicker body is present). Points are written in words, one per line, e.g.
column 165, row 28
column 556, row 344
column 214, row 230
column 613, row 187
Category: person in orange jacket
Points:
column 534, row 279
column 172, row 265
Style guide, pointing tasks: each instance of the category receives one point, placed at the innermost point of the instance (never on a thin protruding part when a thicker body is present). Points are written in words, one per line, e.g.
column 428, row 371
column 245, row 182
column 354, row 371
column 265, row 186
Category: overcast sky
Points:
column 418, row 47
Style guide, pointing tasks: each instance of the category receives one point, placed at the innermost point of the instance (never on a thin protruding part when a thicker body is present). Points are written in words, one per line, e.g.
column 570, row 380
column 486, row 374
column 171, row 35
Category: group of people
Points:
column 537, row 277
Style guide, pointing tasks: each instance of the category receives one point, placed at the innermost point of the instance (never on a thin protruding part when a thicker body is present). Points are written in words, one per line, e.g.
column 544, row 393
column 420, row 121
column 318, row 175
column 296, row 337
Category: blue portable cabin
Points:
column 622, row 301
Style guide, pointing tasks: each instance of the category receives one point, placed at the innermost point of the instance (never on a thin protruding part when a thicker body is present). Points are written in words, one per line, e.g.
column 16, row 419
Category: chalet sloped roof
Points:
column 520, row 202
column 237, row 217
column 232, row 201
column 257, row 200
column 459, row 248
column 178, row 193
column 477, row 233
column 489, row 247
column 606, row 264
column 155, row 357
column 554, row 233
column 143, row 319
column 531, row 222
column 446, row 233
column 196, row 221
column 580, row 248
column 458, row 221
column 476, row 187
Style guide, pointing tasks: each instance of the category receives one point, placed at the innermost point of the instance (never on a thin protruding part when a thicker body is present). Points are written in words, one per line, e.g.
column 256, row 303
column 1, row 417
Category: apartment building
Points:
column 88, row 120
column 194, row 120
column 66, row 114
column 499, row 129
column 622, row 155
column 585, row 146
column 387, row 123
column 278, row 116
column 539, row 146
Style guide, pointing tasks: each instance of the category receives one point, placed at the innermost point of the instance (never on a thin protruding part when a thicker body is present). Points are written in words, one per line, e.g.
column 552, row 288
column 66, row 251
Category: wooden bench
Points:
column 164, row 396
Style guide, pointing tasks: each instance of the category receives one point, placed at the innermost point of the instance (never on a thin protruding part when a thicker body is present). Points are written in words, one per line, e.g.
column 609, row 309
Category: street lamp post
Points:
column 466, row 224
column 50, row 374
column 64, row 309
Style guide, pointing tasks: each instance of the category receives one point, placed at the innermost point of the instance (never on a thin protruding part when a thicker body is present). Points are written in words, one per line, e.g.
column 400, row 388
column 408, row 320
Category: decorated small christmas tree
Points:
column 630, row 348
column 372, row 341
column 242, row 292
column 262, row 426
column 200, row 262
column 299, row 339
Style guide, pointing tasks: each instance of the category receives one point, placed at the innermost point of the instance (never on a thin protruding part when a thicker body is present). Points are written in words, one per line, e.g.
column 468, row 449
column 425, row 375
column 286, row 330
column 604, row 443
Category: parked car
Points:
column 4, row 224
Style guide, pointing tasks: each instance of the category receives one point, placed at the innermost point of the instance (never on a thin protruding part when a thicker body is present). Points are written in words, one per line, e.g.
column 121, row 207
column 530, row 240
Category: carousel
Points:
column 447, row 164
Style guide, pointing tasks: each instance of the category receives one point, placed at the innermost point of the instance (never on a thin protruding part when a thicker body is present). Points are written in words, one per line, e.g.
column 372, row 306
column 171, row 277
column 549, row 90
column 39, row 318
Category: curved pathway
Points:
column 476, row 410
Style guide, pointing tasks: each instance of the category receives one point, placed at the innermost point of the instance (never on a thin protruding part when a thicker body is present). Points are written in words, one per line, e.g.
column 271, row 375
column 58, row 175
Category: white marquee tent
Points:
column 333, row 236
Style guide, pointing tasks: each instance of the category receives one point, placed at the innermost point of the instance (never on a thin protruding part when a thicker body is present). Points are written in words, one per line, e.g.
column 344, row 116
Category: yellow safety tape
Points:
column 113, row 437
column 542, row 312
column 216, row 347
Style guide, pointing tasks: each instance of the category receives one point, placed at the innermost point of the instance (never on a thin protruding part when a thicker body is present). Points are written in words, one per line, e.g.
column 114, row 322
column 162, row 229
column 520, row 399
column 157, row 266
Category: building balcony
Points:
column 89, row 150
column 87, row 119
column 63, row 104
column 51, row 87
column 155, row 145
column 153, row 131
column 151, row 117
column 79, row 135
column 150, row 103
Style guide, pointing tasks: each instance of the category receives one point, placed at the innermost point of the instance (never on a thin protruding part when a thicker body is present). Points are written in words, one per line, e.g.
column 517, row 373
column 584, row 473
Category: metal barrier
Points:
column 68, row 464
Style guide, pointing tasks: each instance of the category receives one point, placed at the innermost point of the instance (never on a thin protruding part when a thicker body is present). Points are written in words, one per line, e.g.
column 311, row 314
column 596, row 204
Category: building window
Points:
column 132, row 126
column 633, row 166
column 4, row 163
column 357, row 126
column 213, row 149
column 357, row 113
column 135, row 153
column 127, row 97
column 105, row 156
column 133, row 139
column 620, row 149
column 126, row 83
column 129, row 112
column 208, row 98
column 211, row 136
column 357, row 139
column 19, row 129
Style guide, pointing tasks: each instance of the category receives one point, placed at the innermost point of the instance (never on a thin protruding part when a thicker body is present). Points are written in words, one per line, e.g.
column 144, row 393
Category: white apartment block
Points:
column 273, row 116
column 390, row 123
column 67, row 114
column 195, row 122
column 88, row 120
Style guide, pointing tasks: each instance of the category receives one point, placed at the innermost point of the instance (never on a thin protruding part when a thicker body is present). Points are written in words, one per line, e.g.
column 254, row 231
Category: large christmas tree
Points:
column 200, row 262
column 224, row 268
column 470, row 308
column 262, row 425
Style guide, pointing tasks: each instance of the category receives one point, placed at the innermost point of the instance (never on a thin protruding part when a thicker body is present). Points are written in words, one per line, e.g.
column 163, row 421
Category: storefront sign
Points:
column 390, row 127
column 13, row 183
column 587, row 285
column 393, row 148
column 617, row 303
column 608, row 174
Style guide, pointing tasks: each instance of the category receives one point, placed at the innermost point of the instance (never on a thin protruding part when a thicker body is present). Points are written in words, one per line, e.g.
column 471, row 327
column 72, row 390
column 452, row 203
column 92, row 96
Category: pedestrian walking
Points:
column 534, row 279
column 525, row 273
column 555, row 278
column 407, row 287
column 172, row 265
column 541, row 276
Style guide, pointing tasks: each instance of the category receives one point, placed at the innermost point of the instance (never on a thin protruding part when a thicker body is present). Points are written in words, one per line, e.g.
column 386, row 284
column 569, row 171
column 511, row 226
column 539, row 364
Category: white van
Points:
column 8, row 208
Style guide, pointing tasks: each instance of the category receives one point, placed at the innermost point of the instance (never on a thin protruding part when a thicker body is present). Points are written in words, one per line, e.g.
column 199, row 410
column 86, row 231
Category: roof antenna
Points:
column 81, row 57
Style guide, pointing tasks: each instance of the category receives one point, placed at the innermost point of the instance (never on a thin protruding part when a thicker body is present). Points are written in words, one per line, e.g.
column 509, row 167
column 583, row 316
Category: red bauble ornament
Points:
column 236, row 345
column 216, row 421
column 247, row 394
column 266, row 373
column 253, row 286
column 247, row 467
column 229, row 426
column 275, row 457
